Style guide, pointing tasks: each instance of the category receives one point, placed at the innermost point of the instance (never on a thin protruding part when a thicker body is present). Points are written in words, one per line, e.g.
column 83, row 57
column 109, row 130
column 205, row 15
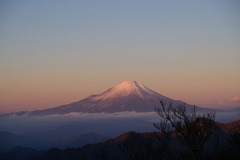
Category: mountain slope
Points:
column 126, row 96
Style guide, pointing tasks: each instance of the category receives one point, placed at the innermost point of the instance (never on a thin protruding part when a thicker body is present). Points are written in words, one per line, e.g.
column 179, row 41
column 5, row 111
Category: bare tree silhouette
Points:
column 191, row 129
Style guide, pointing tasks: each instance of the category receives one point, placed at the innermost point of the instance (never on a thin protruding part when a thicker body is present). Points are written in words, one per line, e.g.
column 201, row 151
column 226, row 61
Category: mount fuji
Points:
column 126, row 96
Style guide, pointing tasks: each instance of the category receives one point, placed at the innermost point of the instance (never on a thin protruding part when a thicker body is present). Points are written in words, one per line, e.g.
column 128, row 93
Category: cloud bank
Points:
column 226, row 104
column 110, row 124
column 88, row 122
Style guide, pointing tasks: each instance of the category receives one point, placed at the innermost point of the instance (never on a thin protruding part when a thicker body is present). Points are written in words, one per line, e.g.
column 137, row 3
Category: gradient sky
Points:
column 57, row 52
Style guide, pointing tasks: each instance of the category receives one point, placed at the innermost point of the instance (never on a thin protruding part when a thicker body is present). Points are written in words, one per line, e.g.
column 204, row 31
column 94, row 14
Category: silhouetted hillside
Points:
column 140, row 144
column 43, row 141
column 9, row 140
column 89, row 151
column 20, row 153
column 127, row 144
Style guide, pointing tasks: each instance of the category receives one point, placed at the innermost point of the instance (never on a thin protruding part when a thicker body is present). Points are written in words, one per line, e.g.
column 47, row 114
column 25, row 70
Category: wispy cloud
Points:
column 229, row 103
column 235, row 99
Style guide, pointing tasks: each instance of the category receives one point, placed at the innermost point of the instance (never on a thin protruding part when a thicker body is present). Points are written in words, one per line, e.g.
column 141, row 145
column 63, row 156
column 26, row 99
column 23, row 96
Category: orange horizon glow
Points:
column 28, row 99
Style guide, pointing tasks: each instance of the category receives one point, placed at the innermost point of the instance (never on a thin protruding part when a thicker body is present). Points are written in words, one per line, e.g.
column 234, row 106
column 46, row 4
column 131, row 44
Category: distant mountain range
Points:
column 126, row 96
column 133, row 142
column 10, row 140
column 77, row 141
column 20, row 153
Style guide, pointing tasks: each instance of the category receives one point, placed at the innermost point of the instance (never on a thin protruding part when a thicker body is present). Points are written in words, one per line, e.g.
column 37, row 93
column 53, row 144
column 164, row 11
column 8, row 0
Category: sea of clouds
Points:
column 110, row 124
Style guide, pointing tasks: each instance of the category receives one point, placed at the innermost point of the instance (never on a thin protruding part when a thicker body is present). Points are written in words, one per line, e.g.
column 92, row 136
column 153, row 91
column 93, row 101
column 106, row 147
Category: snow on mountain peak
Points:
column 127, row 85
column 127, row 88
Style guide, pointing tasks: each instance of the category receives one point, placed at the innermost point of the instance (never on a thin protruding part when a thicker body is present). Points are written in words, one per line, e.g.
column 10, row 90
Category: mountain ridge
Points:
column 133, row 140
column 126, row 96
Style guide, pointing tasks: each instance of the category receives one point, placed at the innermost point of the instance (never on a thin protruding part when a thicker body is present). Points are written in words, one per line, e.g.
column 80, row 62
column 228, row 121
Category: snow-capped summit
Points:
column 126, row 96
column 127, row 88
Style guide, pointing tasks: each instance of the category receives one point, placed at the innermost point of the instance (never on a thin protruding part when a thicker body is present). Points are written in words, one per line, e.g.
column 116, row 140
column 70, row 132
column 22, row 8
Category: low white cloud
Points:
column 26, row 122
column 79, row 115
column 109, row 124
